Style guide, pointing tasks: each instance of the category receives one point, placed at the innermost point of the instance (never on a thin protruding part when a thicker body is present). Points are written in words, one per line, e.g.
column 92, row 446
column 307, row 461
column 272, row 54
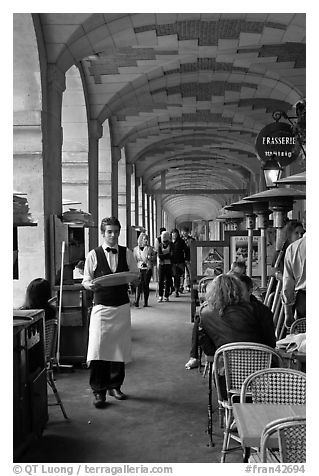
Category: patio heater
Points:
column 280, row 202
column 247, row 208
column 296, row 179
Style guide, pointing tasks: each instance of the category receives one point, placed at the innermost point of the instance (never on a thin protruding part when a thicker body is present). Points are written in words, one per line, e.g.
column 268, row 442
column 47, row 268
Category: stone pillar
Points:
column 95, row 133
column 122, row 204
column 153, row 226
column 133, row 203
column 137, row 201
column 52, row 142
column 143, row 206
column 158, row 214
column 52, row 156
column 116, row 156
column 128, row 170
column 105, row 170
column 148, row 218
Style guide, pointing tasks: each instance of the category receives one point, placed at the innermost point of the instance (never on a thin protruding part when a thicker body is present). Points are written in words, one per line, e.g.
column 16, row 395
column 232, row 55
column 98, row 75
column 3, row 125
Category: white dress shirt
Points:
column 112, row 259
column 294, row 277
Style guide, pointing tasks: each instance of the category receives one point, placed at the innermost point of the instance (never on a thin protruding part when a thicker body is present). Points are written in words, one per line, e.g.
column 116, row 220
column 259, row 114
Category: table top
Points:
column 251, row 419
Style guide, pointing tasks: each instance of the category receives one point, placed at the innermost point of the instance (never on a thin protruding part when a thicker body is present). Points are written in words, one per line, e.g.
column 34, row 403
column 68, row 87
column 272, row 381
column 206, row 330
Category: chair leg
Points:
column 229, row 418
column 210, row 405
column 221, row 415
column 50, row 381
column 246, row 454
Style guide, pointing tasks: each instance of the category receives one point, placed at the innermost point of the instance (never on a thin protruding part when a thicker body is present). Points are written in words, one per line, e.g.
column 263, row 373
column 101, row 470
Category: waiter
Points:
column 294, row 281
column 109, row 344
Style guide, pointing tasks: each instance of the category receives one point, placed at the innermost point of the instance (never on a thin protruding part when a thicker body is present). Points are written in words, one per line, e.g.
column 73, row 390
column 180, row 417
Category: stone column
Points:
column 128, row 170
column 52, row 142
column 143, row 206
column 148, row 220
column 137, row 201
column 52, row 158
column 116, row 156
column 158, row 214
column 95, row 133
column 122, row 195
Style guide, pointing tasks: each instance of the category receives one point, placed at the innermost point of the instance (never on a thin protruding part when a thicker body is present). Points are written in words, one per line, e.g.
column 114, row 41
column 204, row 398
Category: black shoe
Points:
column 146, row 305
column 99, row 400
column 176, row 294
column 136, row 304
column 116, row 392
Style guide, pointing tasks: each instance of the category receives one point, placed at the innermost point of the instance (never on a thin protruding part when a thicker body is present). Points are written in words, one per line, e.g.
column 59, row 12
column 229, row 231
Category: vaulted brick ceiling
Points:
column 185, row 93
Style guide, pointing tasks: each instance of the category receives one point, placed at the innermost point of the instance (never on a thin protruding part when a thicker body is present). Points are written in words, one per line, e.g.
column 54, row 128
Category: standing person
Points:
column 144, row 255
column 180, row 252
column 294, row 281
column 109, row 344
column 159, row 238
column 165, row 266
column 292, row 231
column 188, row 240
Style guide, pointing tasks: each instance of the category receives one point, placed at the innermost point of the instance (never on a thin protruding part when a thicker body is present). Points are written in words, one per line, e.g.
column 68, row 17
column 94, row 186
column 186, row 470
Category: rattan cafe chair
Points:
column 233, row 363
column 51, row 328
column 275, row 385
column 298, row 326
column 291, row 434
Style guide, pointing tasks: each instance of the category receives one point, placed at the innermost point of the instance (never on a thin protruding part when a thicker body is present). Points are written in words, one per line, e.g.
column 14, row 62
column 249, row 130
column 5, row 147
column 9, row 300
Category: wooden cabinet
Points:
column 30, row 404
column 76, row 305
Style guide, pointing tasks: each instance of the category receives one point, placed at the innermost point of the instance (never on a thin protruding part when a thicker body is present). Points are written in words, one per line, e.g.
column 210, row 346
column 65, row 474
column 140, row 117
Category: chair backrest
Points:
column 298, row 326
column 275, row 385
column 50, row 334
column 291, row 432
column 239, row 360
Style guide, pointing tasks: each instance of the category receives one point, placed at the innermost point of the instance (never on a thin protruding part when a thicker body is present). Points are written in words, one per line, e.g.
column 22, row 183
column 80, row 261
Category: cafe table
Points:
column 251, row 419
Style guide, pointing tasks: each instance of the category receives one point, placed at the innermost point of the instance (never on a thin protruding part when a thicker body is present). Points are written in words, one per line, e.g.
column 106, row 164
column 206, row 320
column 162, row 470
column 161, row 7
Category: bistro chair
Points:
column 298, row 326
column 232, row 364
column 291, row 434
column 275, row 385
column 51, row 329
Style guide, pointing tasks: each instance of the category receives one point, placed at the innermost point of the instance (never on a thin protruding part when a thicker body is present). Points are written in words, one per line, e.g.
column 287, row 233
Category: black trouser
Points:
column 164, row 277
column 194, row 347
column 105, row 375
column 300, row 304
column 144, row 285
column 178, row 271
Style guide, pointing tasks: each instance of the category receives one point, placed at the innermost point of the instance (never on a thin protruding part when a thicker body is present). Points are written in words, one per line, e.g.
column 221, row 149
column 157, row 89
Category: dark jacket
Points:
column 188, row 241
column 179, row 251
column 244, row 322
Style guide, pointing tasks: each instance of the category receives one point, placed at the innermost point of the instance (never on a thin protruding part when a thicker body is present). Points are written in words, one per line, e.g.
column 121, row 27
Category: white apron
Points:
column 110, row 334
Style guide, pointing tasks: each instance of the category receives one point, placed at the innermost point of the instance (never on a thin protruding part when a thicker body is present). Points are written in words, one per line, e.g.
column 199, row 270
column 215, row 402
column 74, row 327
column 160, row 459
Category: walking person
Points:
column 188, row 240
column 109, row 346
column 165, row 266
column 144, row 255
column 179, row 255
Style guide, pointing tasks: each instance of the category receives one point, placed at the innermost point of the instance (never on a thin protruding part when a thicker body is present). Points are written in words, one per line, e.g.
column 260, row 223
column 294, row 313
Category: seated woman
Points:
column 37, row 296
column 228, row 316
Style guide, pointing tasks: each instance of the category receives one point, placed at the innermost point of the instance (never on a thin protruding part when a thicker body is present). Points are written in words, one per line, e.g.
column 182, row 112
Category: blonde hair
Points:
column 225, row 290
column 141, row 237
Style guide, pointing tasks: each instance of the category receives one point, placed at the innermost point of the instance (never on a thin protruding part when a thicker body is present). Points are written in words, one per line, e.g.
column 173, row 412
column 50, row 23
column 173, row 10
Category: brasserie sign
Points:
column 277, row 140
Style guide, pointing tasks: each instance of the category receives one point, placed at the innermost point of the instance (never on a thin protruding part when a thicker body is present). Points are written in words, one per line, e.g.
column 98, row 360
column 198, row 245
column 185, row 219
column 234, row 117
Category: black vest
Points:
column 111, row 295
